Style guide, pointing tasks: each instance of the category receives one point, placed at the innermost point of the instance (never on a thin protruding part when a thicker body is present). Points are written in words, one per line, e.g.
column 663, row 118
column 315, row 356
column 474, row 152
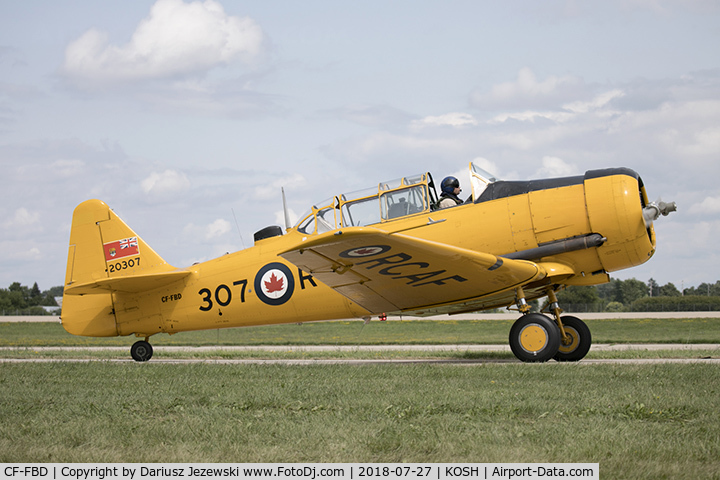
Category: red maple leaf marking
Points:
column 364, row 251
column 275, row 284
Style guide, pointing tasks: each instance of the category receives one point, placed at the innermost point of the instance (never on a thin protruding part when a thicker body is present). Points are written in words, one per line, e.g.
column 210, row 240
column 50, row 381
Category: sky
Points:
column 188, row 117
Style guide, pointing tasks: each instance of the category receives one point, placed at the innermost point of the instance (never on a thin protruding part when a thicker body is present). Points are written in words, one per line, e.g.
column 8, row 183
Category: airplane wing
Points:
column 385, row 272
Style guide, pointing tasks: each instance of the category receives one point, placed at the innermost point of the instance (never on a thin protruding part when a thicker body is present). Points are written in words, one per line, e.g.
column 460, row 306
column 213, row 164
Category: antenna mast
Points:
column 285, row 210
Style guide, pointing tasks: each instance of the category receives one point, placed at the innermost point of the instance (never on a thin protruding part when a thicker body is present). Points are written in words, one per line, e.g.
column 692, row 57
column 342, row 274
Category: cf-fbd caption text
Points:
column 305, row 471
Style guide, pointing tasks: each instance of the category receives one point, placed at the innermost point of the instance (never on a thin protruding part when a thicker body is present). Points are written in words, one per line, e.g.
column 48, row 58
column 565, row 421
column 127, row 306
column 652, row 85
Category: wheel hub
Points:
column 533, row 338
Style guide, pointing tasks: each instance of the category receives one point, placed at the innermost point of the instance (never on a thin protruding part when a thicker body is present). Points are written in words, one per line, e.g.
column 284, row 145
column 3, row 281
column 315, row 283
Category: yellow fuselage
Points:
column 521, row 219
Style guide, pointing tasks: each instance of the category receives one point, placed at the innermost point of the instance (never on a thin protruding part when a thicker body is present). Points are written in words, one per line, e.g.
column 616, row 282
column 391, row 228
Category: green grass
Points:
column 636, row 421
column 697, row 330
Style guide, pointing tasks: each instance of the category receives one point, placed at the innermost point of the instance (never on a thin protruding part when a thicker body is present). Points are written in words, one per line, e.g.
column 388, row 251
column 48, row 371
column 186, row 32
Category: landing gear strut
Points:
column 535, row 337
column 141, row 351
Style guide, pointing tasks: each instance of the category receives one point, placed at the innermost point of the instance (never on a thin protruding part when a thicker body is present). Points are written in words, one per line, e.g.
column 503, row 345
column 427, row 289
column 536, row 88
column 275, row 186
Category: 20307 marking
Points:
column 122, row 265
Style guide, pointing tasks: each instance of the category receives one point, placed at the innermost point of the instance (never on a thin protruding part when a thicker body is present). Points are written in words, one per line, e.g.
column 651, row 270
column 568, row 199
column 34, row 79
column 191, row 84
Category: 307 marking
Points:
column 222, row 296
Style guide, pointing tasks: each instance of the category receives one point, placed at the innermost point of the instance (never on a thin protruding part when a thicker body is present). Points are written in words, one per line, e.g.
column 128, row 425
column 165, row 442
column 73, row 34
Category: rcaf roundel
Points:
column 274, row 284
column 367, row 251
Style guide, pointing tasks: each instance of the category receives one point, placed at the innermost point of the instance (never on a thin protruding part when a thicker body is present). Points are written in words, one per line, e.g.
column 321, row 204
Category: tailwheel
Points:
column 141, row 351
column 577, row 341
column 534, row 338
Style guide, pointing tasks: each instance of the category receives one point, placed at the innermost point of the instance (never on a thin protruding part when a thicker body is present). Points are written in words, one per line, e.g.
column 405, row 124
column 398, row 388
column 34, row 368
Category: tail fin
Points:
column 105, row 256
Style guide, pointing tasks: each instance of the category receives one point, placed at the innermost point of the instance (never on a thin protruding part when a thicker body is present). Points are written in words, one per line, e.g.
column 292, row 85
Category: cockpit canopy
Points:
column 387, row 201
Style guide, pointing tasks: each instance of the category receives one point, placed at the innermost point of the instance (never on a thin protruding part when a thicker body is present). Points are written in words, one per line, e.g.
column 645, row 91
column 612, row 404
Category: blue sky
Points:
column 179, row 114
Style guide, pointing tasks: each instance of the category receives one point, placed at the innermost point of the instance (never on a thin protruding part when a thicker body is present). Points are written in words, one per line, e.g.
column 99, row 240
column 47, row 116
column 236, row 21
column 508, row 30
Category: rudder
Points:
column 101, row 247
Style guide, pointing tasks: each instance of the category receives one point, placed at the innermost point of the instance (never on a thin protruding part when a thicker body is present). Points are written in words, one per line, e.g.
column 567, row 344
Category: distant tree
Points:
column 54, row 291
column 576, row 298
column 614, row 307
column 19, row 298
column 668, row 290
column 610, row 292
column 633, row 289
column 654, row 288
column 14, row 298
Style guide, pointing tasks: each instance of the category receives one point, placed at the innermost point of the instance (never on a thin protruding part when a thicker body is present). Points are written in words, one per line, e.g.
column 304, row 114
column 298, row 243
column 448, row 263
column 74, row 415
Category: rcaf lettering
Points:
column 390, row 259
column 386, row 270
column 399, row 267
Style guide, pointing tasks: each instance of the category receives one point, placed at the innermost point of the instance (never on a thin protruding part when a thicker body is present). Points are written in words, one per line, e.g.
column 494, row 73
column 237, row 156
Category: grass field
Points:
column 657, row 421
column 636, row 421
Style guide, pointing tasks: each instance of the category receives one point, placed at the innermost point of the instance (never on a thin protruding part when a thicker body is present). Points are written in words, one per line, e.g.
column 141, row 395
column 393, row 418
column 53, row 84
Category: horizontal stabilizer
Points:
column 134, row 284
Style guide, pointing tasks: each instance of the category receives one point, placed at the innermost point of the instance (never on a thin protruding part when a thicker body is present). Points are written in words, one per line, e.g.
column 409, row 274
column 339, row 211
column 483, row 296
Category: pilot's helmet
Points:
column 449, row 184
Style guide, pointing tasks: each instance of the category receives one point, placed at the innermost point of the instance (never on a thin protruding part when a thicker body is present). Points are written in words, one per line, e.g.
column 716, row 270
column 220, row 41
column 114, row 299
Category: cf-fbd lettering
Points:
column 26, row 471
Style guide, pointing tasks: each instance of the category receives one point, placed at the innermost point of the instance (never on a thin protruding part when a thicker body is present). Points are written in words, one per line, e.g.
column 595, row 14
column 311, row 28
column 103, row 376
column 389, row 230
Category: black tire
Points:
column 141, row 351
column 581, row 340
column 534, row 338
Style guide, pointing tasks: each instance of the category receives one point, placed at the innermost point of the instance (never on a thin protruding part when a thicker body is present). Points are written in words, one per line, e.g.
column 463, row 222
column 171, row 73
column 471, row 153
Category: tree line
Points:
column 635, row 295
column 19, row 299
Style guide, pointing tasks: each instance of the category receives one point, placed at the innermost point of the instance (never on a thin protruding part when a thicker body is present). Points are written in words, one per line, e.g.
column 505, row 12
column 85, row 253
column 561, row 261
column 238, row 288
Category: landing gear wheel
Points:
column 141, row 351
column 534, row 338
column 580, row 340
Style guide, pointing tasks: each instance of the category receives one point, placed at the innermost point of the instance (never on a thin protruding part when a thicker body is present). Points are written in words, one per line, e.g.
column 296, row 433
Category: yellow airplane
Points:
column 386, row 250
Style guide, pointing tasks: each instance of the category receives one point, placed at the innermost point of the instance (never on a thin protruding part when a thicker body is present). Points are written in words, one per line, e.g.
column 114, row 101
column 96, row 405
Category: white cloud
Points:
column 67, row 168
column 455, row 119
column 599, row 101
column 527, row 92
column 369, row 115
column 531, row 116
column 22, row 218
column 207, row 233
column 597, row 106
column 176, row 39
column 218, row 228
column 169, row 181
column 704, row 142
column 711, row 205
column 272, row 189
column 556, row 167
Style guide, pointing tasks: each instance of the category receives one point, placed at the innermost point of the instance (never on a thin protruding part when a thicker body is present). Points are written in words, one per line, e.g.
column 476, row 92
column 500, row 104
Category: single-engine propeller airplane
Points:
column 386, row 250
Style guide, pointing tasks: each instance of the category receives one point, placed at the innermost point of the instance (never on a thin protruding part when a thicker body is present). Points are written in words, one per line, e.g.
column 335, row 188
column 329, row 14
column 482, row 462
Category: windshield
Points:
column 479, row 179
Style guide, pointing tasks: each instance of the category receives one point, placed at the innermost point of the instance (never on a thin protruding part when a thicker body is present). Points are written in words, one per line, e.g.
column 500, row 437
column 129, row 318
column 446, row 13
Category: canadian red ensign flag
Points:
column 126, row 247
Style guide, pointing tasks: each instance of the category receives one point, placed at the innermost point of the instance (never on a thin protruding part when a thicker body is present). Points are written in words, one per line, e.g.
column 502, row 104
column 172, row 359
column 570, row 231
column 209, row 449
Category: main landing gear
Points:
column 536, row 337
column 141, row 351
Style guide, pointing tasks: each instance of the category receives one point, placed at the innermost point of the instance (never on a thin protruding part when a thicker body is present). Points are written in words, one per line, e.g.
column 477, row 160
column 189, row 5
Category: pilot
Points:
column 450, row 187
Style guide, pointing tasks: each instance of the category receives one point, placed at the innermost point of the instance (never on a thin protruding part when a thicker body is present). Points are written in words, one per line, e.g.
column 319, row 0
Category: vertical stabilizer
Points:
column 101, row 247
